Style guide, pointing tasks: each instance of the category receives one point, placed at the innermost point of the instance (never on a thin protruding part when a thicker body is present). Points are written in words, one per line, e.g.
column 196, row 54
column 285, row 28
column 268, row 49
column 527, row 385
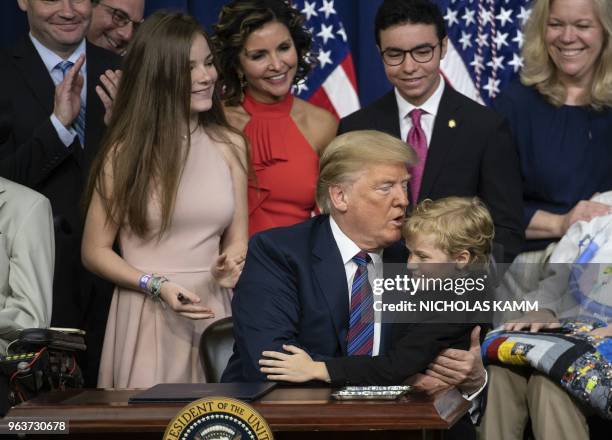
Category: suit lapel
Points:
column 330, row 278
column 94, row 110
column 386, row 331
column 2, row 199
column 98, row 60
column 34, row 73
column 394, row 258
column 387, row 119
column 442, row 139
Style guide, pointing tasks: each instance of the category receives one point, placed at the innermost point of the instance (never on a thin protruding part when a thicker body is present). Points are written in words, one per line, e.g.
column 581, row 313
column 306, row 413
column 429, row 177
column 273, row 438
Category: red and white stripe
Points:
column 339, row 91
column 457, row 75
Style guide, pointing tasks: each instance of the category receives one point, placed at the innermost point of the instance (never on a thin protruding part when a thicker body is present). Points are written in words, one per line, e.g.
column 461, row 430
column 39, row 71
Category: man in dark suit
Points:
column 51, row 121
column 294, row 288
column 464, row 149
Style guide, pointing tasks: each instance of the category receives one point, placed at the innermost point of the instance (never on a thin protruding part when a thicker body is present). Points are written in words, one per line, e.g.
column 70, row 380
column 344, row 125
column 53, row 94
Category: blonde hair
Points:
column 351, row 153
column 540, row 71
column 457, row 223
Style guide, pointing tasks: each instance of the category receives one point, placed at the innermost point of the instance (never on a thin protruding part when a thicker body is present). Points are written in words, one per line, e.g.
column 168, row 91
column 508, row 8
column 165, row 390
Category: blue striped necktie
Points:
column 79, row 122
column 361, row 322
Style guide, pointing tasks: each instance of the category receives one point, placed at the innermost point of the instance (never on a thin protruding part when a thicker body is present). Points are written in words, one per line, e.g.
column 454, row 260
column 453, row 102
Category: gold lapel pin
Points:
column 452, row 123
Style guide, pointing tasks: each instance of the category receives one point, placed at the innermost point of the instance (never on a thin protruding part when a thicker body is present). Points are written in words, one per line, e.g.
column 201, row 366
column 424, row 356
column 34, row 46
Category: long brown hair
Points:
column 143, row 143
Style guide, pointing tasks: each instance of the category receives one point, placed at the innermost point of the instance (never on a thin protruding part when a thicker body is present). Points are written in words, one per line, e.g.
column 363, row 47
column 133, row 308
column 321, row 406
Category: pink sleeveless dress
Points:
column 146, row 343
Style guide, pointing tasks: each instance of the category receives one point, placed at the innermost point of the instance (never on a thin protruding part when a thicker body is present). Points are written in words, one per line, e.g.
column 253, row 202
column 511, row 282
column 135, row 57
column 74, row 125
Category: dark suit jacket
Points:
column 475, row 158
column 31, row 153
column 411, row 348
column 293, row 290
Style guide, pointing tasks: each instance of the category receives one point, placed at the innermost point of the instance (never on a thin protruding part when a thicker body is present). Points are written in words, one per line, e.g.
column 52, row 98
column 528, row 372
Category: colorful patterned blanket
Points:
column 580, row 363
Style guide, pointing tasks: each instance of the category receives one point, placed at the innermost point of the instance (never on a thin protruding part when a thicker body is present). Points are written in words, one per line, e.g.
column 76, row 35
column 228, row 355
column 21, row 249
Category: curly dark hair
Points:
column 237, row 20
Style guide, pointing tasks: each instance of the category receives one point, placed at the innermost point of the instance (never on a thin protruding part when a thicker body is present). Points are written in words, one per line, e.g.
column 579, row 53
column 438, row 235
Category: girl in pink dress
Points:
column 170, row 185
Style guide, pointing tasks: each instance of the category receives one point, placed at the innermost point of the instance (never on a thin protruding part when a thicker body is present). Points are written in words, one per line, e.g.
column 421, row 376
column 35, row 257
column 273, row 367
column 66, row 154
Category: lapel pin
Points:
column 452, row 123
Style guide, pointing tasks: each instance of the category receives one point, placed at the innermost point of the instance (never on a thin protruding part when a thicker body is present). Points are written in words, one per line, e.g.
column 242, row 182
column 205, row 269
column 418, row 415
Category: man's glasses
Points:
column 120, row 18
column 421, row 54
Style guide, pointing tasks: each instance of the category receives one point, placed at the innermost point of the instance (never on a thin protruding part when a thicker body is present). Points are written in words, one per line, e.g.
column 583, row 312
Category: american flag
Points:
column 332, row 83
column 485, row 38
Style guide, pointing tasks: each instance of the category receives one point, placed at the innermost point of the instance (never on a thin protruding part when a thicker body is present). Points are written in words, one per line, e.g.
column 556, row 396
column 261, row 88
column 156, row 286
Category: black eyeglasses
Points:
column 119, row 17
column 393, row 56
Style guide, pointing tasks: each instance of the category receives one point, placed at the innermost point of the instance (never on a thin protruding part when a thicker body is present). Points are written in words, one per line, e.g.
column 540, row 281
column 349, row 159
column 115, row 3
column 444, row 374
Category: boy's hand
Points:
column 297, row 366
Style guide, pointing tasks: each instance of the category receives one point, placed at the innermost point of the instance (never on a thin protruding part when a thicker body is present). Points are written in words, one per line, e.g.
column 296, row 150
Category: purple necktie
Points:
column 361, row 322
column 418, row 142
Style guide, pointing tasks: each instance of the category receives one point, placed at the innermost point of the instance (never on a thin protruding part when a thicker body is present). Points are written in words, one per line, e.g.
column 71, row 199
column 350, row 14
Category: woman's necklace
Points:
column 191, row 132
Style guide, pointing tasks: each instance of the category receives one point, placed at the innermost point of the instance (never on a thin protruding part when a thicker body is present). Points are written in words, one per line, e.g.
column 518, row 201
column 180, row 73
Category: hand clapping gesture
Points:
column 110, row 80
column 67, row 100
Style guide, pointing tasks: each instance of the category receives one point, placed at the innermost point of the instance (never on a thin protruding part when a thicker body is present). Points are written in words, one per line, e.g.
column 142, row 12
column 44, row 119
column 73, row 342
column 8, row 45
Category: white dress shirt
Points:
column 51, row 59
column 430, row 107
column 348, row 249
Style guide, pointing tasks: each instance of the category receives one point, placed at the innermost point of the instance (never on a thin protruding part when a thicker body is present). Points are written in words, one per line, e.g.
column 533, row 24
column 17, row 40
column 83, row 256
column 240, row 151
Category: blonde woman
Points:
column 561, row 117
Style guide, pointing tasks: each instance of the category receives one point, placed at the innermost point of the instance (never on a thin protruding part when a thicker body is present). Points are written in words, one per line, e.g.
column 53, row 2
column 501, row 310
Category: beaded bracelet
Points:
column 144, row 280
column 154, row 286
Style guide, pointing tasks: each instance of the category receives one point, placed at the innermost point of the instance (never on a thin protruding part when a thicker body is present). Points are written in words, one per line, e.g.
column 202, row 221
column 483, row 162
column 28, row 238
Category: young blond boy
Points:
column 452, row 230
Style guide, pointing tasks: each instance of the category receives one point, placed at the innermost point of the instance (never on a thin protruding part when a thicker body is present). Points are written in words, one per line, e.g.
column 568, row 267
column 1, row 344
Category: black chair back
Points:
column 216, row 346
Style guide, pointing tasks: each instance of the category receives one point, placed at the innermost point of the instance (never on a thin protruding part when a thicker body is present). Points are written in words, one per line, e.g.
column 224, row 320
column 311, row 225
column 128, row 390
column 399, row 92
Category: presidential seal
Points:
column 218, row 418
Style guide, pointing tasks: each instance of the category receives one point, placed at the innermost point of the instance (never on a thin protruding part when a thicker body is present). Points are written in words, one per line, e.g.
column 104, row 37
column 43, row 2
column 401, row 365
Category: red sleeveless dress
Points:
column 285, row 164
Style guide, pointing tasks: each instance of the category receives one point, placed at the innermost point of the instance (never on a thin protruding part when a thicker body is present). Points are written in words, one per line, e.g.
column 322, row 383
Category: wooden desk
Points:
column 294, row 413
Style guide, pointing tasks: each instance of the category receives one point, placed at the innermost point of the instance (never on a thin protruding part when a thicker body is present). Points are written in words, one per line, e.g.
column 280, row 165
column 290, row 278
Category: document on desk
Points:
column 371, row 392
column 189, row 392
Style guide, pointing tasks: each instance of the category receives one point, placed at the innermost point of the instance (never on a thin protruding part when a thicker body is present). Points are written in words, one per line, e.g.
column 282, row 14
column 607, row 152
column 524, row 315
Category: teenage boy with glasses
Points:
column 464, row 149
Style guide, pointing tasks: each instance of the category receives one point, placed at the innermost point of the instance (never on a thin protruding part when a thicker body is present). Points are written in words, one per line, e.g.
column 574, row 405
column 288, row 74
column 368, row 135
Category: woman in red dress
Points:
column 263, row 50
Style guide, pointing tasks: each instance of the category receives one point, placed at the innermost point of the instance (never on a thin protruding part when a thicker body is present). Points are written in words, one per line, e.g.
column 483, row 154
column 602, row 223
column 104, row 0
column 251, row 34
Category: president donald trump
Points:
column 297, row 284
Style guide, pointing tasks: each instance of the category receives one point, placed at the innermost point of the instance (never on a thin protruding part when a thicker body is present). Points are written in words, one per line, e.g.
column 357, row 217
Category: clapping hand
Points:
column 110, row 81
column 67, row 100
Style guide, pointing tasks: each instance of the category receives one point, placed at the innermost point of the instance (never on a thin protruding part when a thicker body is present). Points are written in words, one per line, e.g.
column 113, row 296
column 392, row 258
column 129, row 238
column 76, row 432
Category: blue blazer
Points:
column 292, row 290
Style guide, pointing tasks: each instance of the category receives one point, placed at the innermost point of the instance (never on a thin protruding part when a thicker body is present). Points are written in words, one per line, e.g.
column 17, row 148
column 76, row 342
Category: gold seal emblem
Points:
column 218, row 418
column 452, row 123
